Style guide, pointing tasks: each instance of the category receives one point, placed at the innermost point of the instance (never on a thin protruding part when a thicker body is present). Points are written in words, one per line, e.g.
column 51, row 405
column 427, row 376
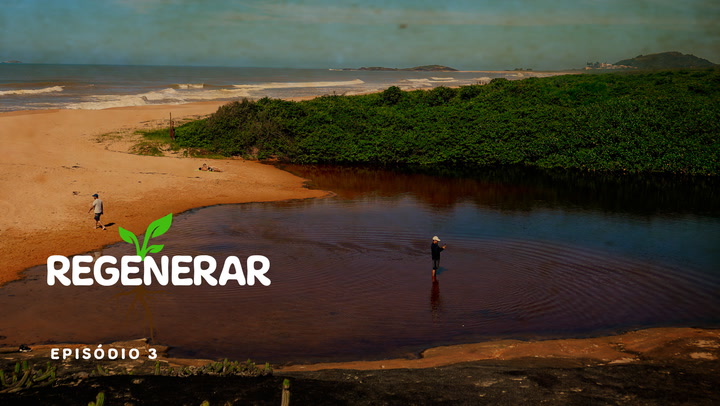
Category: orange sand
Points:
column 636, row 346
column 53, row 163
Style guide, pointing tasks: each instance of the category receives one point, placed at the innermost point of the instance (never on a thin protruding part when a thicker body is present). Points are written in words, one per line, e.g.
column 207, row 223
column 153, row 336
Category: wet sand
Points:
column 663, row 366
column 651, row 344
column 54, row 160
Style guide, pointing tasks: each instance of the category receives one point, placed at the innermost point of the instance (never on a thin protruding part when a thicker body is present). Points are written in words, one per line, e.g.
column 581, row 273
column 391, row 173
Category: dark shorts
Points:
column 97, row 216
column 436, row 264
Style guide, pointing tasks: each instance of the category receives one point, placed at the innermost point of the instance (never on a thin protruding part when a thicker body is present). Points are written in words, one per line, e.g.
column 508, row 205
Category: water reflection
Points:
column 142, row 297
column 435, row 303
column 522, row 189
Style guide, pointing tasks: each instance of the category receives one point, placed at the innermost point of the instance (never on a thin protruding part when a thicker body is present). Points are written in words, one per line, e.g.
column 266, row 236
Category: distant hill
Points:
column 424, row 68
column 666, row 60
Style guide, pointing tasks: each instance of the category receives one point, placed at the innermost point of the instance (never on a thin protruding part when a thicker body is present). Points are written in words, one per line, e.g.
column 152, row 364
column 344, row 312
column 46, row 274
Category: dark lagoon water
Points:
column 530, row 255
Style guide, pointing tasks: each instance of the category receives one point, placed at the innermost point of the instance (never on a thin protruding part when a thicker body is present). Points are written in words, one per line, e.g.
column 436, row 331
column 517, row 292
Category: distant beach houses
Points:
column 604, row 65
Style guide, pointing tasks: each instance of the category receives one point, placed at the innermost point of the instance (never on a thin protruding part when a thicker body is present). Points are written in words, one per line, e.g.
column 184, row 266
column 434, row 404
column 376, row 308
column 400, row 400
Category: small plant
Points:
column 99, row 400
column 24, row 376
column 101, row 371
column 155, row 229
column 147, row 148
column 285, row 401
column 219, row 368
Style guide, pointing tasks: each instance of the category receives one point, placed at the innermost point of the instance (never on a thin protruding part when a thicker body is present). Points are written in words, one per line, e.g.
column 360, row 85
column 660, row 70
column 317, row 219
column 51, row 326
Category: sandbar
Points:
column 54, row 160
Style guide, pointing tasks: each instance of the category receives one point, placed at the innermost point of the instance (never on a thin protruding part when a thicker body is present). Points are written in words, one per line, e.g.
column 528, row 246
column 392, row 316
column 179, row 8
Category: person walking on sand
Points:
column 435, row 250
column 97, row 206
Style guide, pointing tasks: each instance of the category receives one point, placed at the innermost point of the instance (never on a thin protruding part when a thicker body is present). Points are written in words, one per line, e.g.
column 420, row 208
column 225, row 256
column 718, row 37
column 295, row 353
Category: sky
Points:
column 462, row 34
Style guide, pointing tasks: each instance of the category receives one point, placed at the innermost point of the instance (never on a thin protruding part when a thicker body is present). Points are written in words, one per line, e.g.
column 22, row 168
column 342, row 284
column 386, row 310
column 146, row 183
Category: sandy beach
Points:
column 56, row 159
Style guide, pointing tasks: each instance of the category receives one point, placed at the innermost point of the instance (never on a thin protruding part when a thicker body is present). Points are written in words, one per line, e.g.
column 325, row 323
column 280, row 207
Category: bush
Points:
column 667, row 121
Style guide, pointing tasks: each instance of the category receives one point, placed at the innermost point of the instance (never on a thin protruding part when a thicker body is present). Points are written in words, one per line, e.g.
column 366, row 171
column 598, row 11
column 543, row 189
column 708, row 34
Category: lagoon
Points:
column 530, row 255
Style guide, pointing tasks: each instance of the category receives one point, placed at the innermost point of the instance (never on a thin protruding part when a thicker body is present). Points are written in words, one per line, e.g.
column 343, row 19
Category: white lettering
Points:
column 177, row 270
column 204, row 273
column 79, row 269
column 180, row 270
column 226, row 275
column 112, row 272
column 55, row 273
column 126, row 270
column 258, row 273
column 162, row 273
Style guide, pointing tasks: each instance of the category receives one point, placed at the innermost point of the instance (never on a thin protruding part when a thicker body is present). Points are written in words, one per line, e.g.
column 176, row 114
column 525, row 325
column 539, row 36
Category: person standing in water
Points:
column 435, row 250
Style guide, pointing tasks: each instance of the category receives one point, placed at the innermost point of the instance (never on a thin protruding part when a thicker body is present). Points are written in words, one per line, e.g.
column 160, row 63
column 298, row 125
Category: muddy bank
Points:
column 648, row 367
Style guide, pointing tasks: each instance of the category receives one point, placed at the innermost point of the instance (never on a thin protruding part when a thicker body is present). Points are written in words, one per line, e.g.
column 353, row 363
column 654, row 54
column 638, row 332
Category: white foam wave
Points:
column 165, row 96
column 443, row 79
column 294, row 85
column 190, row 85
column 31, row 91
column 417, row 83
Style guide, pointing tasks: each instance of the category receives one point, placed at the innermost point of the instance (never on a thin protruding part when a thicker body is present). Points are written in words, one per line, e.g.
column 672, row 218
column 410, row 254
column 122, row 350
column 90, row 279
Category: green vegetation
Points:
column 147, row 148
column 25, row 376
column 665, row 121
column 219, row 368
column 666, row 60
column 157, row 142
column 99, row 400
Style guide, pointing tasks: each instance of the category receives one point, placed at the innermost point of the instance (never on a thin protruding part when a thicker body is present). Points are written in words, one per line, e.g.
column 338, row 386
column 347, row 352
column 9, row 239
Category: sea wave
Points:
column 164, row 96
column 424, row 82
column 295, row 85
column 51, row 89
column 190, row 85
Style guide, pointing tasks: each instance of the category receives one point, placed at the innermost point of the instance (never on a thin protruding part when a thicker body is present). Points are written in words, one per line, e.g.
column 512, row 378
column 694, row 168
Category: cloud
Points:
column 529, row 16
column 519, row 13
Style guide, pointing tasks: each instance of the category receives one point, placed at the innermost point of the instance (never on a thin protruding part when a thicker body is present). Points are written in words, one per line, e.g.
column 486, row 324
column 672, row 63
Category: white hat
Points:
column 436, row 238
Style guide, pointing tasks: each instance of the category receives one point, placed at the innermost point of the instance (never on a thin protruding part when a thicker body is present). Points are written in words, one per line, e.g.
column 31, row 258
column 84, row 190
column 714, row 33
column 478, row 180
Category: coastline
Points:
column 55, row 161
column 665, row 366
column 662, row 343
column 650, row 344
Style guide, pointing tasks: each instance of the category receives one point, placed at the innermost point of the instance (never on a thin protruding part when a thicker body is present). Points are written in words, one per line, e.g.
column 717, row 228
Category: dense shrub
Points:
column 667, row 121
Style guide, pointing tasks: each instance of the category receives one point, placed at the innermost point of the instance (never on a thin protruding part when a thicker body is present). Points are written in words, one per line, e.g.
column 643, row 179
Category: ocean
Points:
column 38, row 86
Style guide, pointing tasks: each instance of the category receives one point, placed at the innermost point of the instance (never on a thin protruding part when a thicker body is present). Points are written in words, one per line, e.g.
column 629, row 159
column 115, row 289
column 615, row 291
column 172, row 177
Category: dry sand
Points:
column 53, row 162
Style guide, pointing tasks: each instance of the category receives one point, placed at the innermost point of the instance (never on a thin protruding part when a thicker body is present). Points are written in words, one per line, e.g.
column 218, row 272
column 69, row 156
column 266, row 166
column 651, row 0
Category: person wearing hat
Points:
column 435, row 250
column 97, row 205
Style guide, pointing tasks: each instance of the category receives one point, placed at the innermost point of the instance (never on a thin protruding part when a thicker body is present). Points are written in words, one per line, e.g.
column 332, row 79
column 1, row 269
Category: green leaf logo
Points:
column 155, row 229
